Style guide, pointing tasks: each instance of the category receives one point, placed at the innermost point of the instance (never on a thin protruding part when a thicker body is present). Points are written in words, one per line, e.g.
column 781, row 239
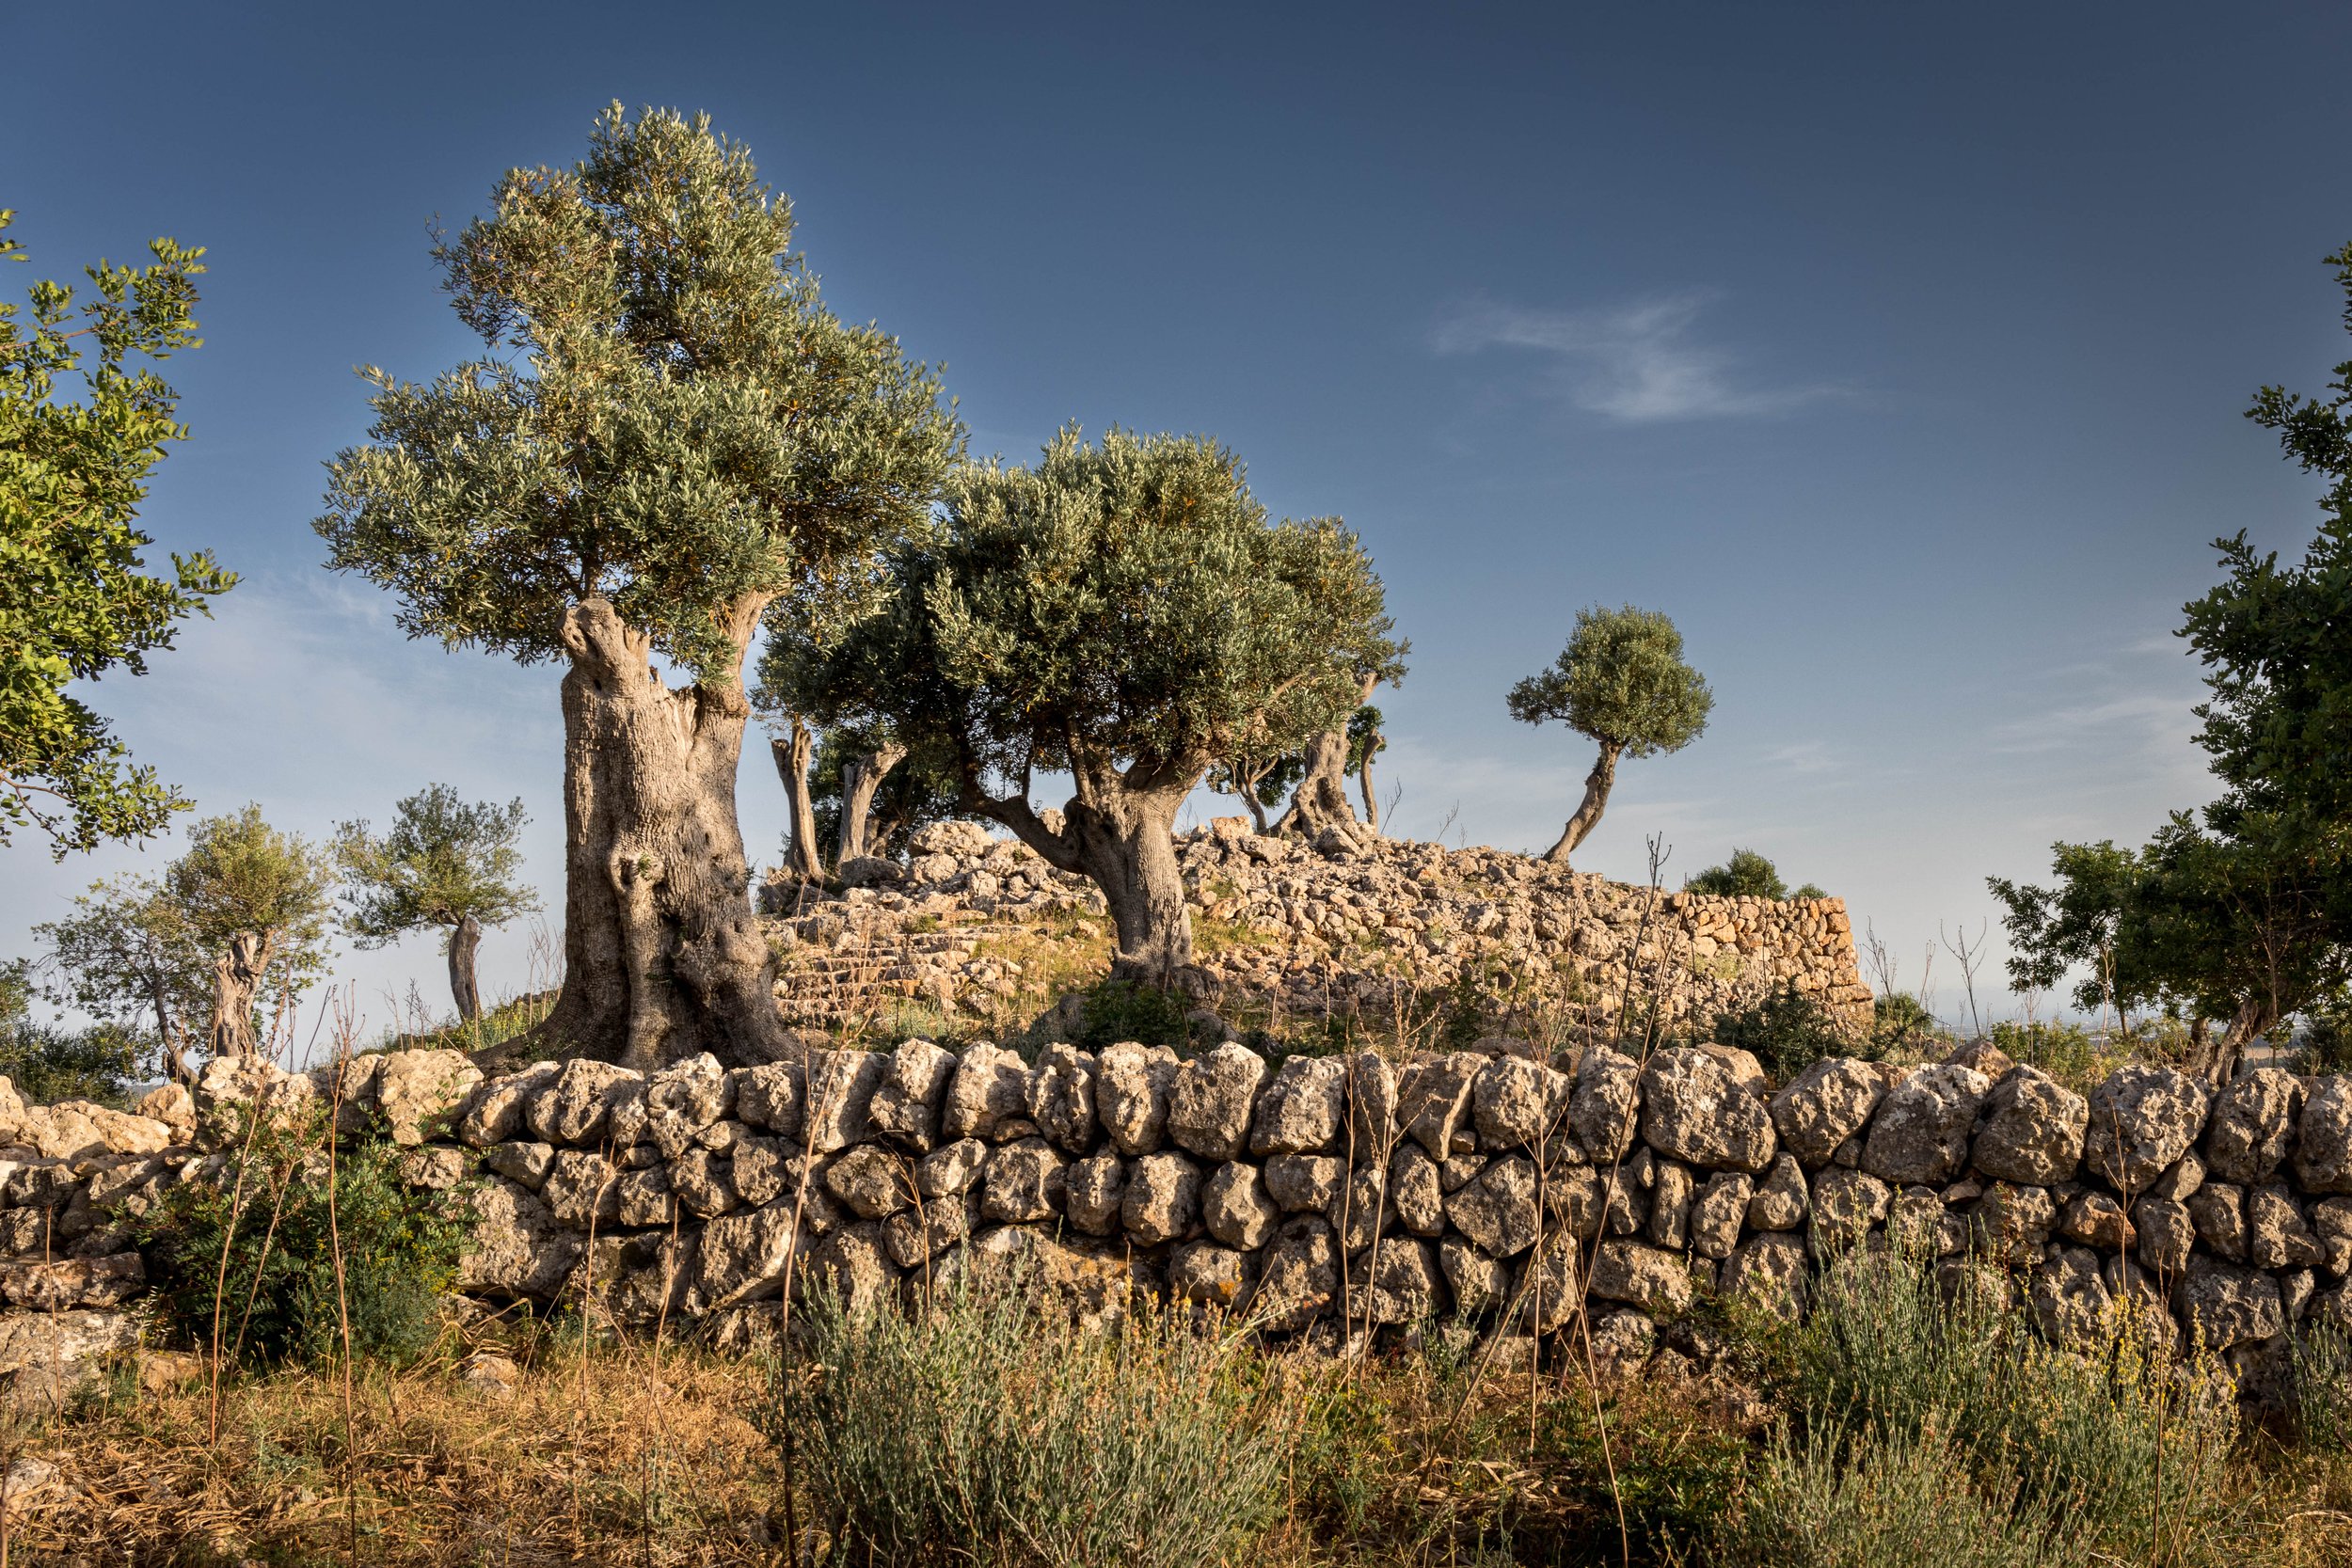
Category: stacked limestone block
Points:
column 1339, row 923
column 1351, row 1190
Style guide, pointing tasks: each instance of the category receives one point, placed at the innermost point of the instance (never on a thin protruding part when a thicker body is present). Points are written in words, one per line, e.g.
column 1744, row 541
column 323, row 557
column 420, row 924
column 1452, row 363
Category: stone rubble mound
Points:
column 1349, row 920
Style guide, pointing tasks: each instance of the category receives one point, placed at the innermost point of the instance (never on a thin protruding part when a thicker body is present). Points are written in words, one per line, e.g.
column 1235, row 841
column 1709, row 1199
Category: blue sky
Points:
column 1898, row 353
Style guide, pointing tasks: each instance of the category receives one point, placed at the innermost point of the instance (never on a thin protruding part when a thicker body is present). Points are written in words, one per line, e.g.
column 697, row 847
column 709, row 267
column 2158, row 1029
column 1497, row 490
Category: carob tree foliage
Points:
column 1125, row 612
column 690, row 436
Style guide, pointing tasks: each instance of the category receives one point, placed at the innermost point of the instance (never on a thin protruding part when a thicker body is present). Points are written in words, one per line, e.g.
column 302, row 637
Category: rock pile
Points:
column 1352, row 921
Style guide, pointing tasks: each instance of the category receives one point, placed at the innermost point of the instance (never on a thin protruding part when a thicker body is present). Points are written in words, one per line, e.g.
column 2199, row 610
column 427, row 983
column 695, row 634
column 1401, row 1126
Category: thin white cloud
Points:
column 1638, row 362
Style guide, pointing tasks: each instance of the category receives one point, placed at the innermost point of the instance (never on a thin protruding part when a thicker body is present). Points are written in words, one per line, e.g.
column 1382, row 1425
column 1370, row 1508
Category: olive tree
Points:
column 231, row 933
column 1126, row 612
column 76, row 600
column 445, row 863
column 1622, row 684
column 688, row 438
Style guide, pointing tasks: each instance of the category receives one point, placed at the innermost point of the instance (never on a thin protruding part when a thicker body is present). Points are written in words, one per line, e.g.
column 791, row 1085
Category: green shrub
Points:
column 1746, row 875
column 1901, row 1026
column 2064, row 1050
column 1887, row 1498
column 2324, row 1045
column 1156, row 1446
column 48, row 1063
column 277, row 1297
column 2099, row 1433
column 1787, row 1032
column 1119, row 1010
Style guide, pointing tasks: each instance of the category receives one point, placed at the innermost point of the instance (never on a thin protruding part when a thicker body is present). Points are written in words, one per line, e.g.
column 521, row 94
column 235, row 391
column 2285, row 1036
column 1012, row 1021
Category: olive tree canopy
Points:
column 1125, row 612
column 683, row 437
column 1622, row 683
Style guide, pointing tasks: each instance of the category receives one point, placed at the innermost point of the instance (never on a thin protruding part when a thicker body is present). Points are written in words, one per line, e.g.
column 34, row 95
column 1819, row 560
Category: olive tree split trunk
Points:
column 1320, row 800
column 236, row 984
column 663, row 958
column 792, row 755
column 859, row 777
column 464, row 940
column 1371, row 802
column 1124, row 840
column 1596, row 786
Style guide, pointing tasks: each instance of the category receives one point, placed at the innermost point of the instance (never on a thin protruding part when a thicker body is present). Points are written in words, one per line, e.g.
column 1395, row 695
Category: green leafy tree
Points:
column 1262, row 779
column 75, row 599
column 2240, row 913
column 444, row 864
column 690, row 438
column 1621, row 682
column 869, row 798
column 47, row 1063
column 1125, row 612
column 209, row 952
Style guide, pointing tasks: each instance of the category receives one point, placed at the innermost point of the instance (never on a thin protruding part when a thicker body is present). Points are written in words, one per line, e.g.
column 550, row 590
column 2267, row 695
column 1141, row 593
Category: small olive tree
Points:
column 1125, row 612
column 233, row 930
column 668, row 436
column 1621, row 682
column 445, row 863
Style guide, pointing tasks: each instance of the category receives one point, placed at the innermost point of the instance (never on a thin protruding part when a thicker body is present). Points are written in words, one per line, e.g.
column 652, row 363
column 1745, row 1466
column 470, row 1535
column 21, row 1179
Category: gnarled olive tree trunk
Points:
column 464, row 940
column 861, row 776
column 662, row 957
column 1596, row 786
column 236, row 982
column 1320, row 800
column 791, row 752
column 1123, row 838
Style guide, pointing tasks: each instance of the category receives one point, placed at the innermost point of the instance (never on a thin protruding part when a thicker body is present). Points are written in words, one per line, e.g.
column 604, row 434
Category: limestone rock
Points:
column 583, row 1189
column 1694, row 1111
column 1480, row 1281
column 952, row 1168
column 571, row 1108
column 1845, row 1205
column 2251, row 1127
column 2218, row 1211
column 1300, row 1111
column 1132, row 1083
column 2166, row 1234
column 853, row 1266
column 871, row 1181
column 1093, row 1192
column 1645, row 1277
column 1061, row 1097
column 1210, row 1275
column 2223, row 1305
column 1301, row 1275
column 1363, row 1209
column 990, row 1086
column 2011, row 1222
column 1497, row 1211
column 2096, row 1220
column 63, row 1284
column 1163, row 1198
column 913, row 1237
column 2068, row 1300
column 1548, row 1298
column 643, row 1199
column 2323, row 1142
column 2276, row 1236
column 1371, row 1107
column 518, row 1247
column 906, row 1104
column 433, row 1168
column 1671, row 1189
column 520, row 1161
column 2033, row 1130
column 1416, row 1191
column 1514, row 1102
column 840, row 1097
column 1824, row 1105
column 1025, row 1181
column 1605, row 1108
column 704, row 1183
column 770, row 1096
column 1211, row 1102
column 1395, row 1282
column 1719, row 1210
column 1304, row 1183
column 2142, row 1119
column 1921, row 1130
column 496, row 1114
column 1780, row 1199
column 1235, row 1208
column 419, row 1092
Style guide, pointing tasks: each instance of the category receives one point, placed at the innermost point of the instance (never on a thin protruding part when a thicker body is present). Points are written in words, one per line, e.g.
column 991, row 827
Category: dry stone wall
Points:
column 1352, row 922
column 1330, row 1193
